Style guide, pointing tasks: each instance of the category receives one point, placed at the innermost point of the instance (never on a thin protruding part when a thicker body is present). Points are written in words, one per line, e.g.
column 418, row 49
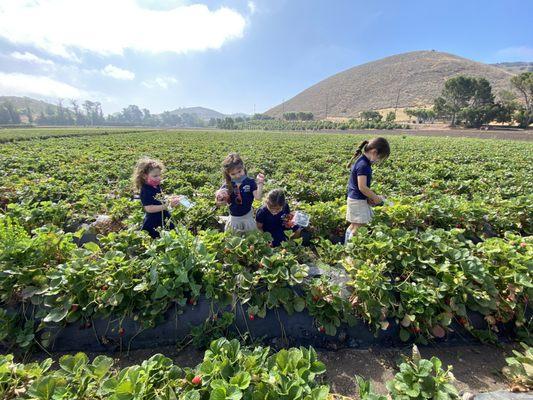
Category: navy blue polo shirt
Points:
column 361, row 167
column 246, row 188
column 273, row 224
column 152, row 221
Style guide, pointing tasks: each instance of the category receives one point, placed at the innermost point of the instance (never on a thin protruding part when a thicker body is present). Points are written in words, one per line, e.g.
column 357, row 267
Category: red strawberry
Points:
column 315, row 298
column 322, row 329
column 251, row 316
column 463, row 321
column 523, row 244
column 104, row 288
column 74, row 307
column 197, row 380
column 121, row 331
column 192, row 301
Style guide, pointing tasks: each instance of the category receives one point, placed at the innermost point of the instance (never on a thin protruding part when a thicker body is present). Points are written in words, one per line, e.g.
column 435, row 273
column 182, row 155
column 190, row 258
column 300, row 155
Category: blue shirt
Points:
column 274, row 224
column 246, row 188
column 361, row 167
column 153, row 220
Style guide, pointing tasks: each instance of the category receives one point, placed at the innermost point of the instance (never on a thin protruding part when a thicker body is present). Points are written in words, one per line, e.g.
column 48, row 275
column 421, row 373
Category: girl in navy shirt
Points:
column 274, row 217
column 239, row 192
column 147, row 180
column 360, row 197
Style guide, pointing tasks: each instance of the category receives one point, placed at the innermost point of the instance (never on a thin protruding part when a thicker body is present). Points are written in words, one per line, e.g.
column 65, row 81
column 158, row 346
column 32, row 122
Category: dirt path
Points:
column 459, row 133
column 476, row 367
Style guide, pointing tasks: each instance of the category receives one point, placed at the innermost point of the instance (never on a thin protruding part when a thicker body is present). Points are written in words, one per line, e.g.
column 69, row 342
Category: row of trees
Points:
column 90, row 113
column 469, row 101
column 298, row 116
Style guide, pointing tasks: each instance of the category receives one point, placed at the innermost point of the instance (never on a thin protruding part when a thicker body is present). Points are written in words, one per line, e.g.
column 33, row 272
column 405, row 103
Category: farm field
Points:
column 456, row 244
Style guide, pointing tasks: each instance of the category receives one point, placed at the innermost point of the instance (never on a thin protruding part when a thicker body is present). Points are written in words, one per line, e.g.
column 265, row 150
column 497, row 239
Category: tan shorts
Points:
column 358, row 211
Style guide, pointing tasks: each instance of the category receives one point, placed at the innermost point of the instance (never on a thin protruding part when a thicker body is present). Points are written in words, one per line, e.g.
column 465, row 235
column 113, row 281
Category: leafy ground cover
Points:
column 457, row 239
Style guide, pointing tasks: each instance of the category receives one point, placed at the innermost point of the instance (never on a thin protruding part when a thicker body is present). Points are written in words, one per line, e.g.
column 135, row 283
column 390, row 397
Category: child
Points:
column 239, row 192
column 273, row 215
column 360, row 197
column 147, row 180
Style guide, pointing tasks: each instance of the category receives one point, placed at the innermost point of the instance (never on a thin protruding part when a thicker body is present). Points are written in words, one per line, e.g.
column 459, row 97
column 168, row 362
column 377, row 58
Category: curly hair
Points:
column 142, row 168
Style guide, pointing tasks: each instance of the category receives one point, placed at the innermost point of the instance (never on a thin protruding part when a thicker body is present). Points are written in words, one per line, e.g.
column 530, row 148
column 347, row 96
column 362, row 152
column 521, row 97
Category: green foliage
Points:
column 422, row 379
column 519, row 369
column 227, row 372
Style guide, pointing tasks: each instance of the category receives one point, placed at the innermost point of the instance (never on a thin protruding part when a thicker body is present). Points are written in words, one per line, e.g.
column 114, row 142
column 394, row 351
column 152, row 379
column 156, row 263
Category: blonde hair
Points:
column 232, row 161
column 142, row 168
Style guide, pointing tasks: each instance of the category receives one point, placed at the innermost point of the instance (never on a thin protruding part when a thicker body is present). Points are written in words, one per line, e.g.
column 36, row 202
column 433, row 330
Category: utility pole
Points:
column 397, row 98
column 327, row 101
column 283, row 107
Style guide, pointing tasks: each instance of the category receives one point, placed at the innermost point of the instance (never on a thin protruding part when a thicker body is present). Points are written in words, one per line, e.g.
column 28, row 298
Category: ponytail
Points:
column 358, row 152
column 381, row 145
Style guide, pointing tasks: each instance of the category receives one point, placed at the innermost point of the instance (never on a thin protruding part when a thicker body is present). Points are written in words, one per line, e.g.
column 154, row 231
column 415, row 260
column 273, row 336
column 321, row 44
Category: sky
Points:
column 233, row 55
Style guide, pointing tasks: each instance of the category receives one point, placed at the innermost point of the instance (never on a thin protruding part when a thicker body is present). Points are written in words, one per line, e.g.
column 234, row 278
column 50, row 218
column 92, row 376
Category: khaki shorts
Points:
column 358, row 211
column 246, row 223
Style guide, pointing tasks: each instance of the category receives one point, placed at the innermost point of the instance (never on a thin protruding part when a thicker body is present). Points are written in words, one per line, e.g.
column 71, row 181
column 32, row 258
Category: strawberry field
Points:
column 452, row 256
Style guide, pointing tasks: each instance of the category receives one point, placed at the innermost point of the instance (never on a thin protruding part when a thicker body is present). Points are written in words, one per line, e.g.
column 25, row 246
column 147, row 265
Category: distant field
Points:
column 14, row 134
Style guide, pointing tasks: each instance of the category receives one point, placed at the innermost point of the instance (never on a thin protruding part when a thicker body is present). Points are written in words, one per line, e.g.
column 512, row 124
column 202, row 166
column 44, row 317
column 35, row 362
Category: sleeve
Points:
column 362, row 169
column 253, row 185
column 148, row 197
column 260, row 215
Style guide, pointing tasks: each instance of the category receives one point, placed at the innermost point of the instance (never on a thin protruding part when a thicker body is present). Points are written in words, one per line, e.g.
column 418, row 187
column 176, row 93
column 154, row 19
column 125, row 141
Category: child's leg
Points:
column 351, row 230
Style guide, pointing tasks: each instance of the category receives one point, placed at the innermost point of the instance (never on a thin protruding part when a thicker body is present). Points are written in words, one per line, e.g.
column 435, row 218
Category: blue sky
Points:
column 229, row 55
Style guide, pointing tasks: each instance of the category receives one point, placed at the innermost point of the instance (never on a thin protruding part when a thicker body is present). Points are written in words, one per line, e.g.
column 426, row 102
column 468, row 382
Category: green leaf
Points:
column 299, row 304
column 56, row 315
column 404, row 335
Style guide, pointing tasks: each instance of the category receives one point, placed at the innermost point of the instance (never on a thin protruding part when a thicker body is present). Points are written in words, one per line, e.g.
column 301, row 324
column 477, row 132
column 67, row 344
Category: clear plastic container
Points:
column 185, row 202
column 301, row 219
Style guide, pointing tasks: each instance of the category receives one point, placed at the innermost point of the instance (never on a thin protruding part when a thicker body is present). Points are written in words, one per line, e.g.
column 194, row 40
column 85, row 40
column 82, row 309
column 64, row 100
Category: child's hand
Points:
column 260, row 179
column 175, row 200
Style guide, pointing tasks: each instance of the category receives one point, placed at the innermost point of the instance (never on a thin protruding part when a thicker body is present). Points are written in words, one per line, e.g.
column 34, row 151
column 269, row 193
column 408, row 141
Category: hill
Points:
column 22, row 103
column 515, row 67
column 201, row 112
column 406, row 80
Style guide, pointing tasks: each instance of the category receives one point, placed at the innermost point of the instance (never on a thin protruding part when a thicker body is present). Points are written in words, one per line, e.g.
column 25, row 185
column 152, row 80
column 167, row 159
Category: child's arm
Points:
column 259, row 225
column 258, row 193
column 155, row 209
column 363, row 188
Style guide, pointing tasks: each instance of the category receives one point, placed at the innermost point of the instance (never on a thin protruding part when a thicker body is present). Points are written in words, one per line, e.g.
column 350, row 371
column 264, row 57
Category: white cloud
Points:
column 161, row 82
column 64, row 27
column 518, row 53
column 118, row 73
column 24, row 85
column 252, row 7
column 30, row 57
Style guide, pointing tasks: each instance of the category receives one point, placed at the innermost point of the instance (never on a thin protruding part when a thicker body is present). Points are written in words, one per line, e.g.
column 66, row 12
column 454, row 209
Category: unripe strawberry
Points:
column 523, row 244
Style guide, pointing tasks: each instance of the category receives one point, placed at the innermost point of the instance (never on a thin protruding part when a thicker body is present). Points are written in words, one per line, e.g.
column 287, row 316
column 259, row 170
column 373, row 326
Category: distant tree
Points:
column 10, row 114
column 226, row 123
column 506, row 107
column 391, row 117
column 524, row 84
column 422, row 115
column 370, row 115
column 467, row 99
column 262, row 117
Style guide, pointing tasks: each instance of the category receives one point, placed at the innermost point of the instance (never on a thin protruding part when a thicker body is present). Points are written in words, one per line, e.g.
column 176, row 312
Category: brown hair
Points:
column 232, row 161
column 142, row 168
column 381, row 145
column 276, row 198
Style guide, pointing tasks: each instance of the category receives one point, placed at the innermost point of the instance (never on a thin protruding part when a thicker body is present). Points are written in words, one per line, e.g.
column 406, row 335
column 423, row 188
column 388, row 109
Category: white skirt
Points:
column 358, row 211
column 246, row 223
